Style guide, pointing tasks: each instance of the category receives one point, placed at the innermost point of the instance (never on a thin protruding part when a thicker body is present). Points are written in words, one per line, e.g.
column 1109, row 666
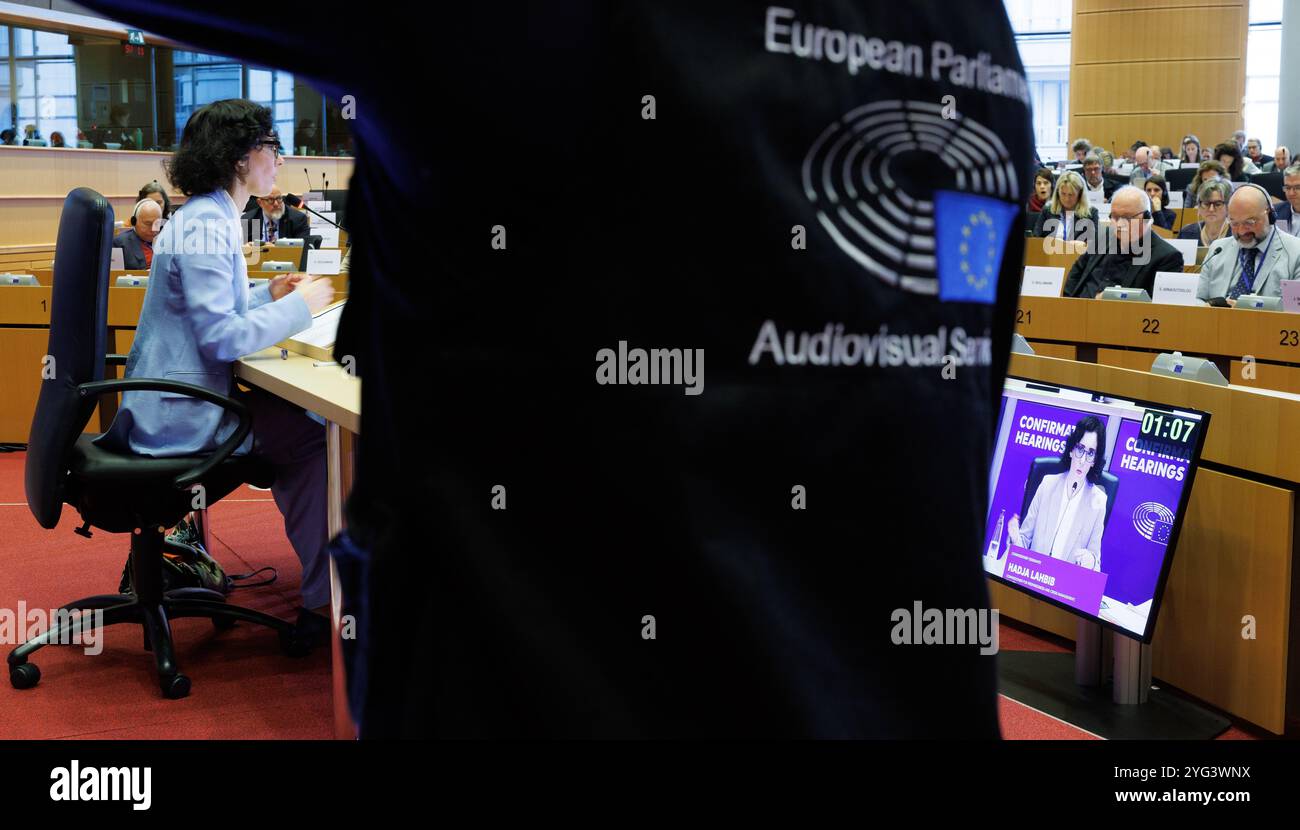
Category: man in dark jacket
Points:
column 272, row 219
column 1129, row 256
column 137, row 241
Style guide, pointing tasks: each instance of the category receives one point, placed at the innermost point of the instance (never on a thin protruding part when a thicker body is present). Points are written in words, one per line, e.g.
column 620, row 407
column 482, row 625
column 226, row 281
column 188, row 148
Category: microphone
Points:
column 325, row 219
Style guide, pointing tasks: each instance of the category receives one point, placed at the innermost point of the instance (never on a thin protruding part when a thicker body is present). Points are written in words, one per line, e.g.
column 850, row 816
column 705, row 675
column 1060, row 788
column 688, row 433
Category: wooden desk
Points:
column 1235, row 554
column 1131, row 334
column 335, row 395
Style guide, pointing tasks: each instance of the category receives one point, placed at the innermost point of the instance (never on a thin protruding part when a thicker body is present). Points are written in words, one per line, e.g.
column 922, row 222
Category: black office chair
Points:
column 1052, row 464
column 115, row 491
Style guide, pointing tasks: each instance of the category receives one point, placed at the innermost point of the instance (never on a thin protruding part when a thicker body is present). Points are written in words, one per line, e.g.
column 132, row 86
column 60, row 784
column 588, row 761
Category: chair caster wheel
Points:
column 292, row 645
column 175, row 687
column 223, row 623
column 24, row 676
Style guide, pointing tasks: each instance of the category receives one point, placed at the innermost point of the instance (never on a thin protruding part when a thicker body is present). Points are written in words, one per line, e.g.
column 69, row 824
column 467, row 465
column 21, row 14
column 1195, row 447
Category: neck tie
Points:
column 1247, row 280
column 270, row 231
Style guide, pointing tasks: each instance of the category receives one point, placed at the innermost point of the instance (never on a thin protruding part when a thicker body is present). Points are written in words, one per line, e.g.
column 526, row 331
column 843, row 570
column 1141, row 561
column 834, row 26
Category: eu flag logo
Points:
column 970, row 236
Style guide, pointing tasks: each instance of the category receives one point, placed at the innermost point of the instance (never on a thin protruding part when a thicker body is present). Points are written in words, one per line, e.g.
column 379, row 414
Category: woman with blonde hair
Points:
column 1067, row 215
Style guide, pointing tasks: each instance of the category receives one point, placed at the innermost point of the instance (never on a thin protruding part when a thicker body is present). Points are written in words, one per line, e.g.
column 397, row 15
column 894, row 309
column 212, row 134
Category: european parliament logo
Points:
column 970, row 236
column 1153, row 521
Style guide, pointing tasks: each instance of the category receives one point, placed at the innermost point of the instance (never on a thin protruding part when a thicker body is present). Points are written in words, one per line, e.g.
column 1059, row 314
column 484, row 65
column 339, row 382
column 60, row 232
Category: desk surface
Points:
column 329, row 391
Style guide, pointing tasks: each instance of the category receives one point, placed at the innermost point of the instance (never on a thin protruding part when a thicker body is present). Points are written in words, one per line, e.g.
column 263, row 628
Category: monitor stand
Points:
column 1076, row 689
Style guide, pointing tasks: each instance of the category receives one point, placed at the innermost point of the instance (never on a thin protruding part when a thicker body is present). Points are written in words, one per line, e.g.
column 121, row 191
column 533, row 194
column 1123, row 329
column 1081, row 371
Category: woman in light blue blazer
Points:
column 199, row 316
column 1067, row 514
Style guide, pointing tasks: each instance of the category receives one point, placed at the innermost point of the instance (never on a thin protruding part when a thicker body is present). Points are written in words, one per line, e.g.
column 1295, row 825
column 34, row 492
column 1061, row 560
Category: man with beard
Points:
column 1255, row 259
column 272, row 220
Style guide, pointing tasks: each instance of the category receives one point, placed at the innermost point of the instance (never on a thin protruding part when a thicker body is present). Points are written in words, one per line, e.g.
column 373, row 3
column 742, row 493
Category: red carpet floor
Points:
column 243, row 688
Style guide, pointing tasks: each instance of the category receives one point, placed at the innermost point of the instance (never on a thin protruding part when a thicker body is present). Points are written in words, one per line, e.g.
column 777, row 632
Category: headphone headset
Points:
column 1268, row 200
column 136, row 210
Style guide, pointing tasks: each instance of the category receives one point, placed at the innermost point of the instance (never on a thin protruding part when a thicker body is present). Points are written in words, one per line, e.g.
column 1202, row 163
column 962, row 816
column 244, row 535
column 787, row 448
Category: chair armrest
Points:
column 114, row 360
column 185, row 480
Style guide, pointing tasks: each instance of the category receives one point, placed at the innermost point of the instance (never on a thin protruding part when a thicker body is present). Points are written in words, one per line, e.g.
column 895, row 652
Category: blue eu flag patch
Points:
column 970, row 235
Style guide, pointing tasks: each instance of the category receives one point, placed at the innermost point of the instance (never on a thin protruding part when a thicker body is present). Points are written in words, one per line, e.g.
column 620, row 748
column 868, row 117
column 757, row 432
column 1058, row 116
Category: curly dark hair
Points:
column 154, row 187
column 215, row 138
column 1091, row 423
column 1229, row 148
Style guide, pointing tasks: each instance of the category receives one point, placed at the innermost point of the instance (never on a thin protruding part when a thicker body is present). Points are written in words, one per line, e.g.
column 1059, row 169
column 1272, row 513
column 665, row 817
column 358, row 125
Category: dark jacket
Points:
column 132, row 250
column 1161, row 257
column 293, row 225
column 1164, row 218
column 627, row 503
column 1041, row 226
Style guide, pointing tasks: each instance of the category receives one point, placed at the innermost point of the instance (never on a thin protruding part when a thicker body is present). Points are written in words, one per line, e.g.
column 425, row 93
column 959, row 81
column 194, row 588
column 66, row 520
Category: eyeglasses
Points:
column 273, row 144
column 1080, row 451
column 1213, row 205
column 1115, row 217
column 1248, row 224
column 1291, row 188
column 275, row 200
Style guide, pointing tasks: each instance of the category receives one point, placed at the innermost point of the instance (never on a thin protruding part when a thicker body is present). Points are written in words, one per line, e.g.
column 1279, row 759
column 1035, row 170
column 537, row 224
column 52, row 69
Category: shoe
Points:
column 312, row 629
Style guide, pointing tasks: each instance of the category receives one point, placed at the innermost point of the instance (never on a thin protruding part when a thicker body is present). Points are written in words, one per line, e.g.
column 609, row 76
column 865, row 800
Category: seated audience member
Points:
column 1043, row 184
column 9, row 137
column 1239, row 138
column 1231, row 158
column 1281, row 160
column 56, row 139
column 1212, row 210
column 1207, row 154
column 1288, row 213
column 1158, row 191
column 137, row 241
column 1158, row 158
column 1255, row 258
column 1081, row 148
column 1191, row 150
column 271, row 220
column 1129, row 255
column 1067, row 216
column 1254, row 157
column 157, row 193
column 1098, row 188
column 1107, row 163
column 1207, row 172
column 1145, row 165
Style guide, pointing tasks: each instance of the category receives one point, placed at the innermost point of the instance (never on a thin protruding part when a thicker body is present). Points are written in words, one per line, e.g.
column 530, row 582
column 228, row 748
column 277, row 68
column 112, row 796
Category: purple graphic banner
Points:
column 1063, row 581
column 1133, row 548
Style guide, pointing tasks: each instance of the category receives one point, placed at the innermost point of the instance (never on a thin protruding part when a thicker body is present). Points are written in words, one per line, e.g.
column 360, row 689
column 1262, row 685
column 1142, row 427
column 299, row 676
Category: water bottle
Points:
column 996, row 541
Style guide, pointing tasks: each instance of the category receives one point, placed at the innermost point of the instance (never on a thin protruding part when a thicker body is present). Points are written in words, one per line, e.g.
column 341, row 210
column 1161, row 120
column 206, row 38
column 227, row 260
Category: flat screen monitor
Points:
column 1088, row 495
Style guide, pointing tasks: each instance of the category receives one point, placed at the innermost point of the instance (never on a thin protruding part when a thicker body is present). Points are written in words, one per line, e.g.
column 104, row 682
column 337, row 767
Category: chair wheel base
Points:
column 175, row 687
column 24, row 676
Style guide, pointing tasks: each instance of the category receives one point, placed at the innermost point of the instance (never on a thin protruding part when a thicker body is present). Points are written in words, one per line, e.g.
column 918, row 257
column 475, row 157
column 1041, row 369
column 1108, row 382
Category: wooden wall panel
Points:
column 36, row 180
column 1157, row 71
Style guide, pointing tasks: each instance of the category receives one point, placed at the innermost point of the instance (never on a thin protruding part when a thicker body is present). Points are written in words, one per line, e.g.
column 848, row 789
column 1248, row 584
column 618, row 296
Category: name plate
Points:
column 1176, row 288
column 1042, row 281
column 323, row 262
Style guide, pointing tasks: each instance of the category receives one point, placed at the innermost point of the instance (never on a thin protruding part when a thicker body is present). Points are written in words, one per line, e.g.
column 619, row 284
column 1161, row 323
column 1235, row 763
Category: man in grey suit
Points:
column 1281, row 161
column 1256, row 258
